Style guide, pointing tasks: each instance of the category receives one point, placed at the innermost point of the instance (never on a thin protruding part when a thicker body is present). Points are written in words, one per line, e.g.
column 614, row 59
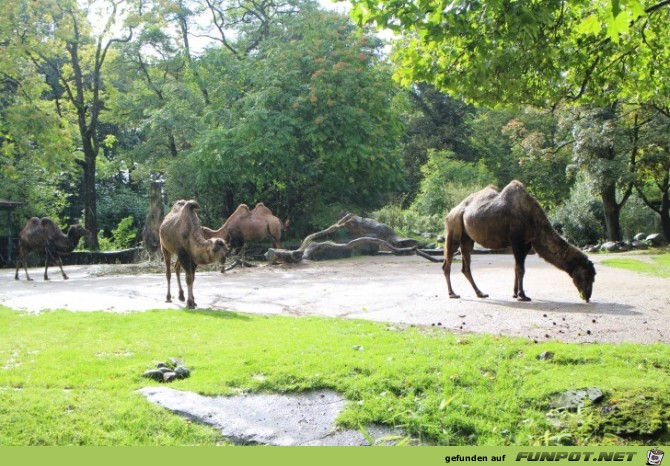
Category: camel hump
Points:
column 242, row 209
column 49, row 225
column 192, row 205
column 262, row 209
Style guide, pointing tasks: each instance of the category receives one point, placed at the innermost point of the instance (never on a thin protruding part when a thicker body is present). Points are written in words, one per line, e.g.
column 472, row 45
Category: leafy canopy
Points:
column 510, row 52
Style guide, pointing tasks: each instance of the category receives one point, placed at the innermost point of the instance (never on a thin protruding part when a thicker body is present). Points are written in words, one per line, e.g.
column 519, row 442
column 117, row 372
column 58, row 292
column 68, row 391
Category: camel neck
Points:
column 551, row 247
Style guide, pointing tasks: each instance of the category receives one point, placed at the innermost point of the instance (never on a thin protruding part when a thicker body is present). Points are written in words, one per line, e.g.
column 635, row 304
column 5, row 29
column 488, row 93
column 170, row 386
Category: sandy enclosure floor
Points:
column 400, row 290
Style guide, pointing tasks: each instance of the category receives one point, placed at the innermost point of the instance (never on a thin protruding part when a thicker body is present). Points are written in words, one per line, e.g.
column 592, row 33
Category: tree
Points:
column 653, row 167
column 57, row 38
column 436, row 122
column 307, row 127
column 540, row 53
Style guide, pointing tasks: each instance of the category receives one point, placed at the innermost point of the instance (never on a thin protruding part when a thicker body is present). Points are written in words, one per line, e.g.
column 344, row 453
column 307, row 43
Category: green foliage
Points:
column 309, row 133
column 540, row 52
column 408, row 221
column 447, row 181
column 636, row 217
column 70, row 378
column 580, row 218
column 124, row 236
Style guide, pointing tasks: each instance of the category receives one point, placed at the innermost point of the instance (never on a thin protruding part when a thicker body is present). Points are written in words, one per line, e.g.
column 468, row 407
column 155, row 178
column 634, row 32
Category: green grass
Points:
column 71, row 378
column 660, row 266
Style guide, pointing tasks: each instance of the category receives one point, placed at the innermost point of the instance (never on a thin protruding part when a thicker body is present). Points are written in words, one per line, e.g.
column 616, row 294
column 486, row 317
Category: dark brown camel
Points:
column 182, row 234
column 44, row 236
column 246, row 226
column 511, row 217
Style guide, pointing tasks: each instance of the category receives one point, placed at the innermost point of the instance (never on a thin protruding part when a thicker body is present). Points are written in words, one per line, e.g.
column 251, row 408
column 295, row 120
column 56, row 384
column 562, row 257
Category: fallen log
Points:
column 369, row 232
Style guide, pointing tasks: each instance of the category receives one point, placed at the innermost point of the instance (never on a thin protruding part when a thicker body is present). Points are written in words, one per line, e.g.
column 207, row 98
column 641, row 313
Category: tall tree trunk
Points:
column 90, row 197
column 612, row 211
column 664, row 212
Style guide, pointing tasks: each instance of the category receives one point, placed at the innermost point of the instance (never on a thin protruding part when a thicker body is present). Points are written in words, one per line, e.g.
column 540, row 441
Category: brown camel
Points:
column 245, row 226
column 511, row 217
column 182, row 234
column 44, row 236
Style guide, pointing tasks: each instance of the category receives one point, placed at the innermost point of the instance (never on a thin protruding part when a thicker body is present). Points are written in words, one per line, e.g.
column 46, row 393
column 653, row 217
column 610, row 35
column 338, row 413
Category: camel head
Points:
column 220, row 249
column 583, row 277
column 75, row 232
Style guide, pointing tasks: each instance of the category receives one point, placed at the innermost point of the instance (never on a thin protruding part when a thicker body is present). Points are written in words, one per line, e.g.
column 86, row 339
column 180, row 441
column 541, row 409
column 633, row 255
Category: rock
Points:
column 162, row 365
column 657, row 239
column 637, row 244
column 154, row 374
column 545, row 356
column 640, row 236
column 572, row 400
column 169, row 376
column 182, row 372
column 174, row 362
column 610, row 246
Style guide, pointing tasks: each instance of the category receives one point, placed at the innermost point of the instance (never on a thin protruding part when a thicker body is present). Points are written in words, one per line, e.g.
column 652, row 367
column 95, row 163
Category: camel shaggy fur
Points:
column 511, row 217
column 44, row 236
column 182, row 234
column 245, row 226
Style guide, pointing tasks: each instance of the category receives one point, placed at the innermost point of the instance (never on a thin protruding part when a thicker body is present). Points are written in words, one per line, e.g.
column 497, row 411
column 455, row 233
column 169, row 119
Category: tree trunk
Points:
column 90, row 197
column 664, row 212
column 612, row 211
column 154, row 218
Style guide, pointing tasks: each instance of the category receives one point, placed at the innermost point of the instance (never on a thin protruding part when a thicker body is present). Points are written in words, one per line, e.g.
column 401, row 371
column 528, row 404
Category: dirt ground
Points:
column 400, row 290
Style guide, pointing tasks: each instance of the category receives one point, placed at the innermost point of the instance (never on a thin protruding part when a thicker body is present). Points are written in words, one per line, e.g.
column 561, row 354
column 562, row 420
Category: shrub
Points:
column 581, row 218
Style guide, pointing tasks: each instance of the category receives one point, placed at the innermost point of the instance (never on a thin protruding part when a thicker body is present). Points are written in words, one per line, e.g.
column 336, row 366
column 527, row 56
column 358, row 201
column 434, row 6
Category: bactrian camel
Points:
column 511, row 218
column 181, row 233
column 44, row 236
column 245, row 226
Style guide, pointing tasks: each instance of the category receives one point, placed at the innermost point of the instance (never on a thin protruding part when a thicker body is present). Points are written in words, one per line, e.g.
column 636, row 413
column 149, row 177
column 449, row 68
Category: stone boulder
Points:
column 657, row 239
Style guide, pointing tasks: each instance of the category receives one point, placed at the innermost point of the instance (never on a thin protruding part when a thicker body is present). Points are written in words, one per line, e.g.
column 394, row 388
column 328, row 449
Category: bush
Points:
column 124, row 236
column 581, row 218
column 447, row 181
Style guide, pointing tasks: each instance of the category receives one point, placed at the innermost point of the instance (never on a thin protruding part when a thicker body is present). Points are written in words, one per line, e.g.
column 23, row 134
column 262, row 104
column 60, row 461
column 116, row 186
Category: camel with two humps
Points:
column 44, row 236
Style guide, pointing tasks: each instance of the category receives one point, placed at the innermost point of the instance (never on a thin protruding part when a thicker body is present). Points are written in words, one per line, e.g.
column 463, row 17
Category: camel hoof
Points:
column 168, row 299
column 191, row 305
column 482, row 295
column 523, row 298
column 65, row 277
column 454, row 295
column 181, row 298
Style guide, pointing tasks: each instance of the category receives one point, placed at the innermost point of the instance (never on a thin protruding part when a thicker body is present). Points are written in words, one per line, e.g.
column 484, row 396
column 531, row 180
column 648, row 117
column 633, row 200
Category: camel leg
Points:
column 167, row 257
column 22, row 260
column 520, row 251
column 177, row 272
column 190, row 277
column 451, row 247
column 59, row 261
column 46, row 263
column 467, row 244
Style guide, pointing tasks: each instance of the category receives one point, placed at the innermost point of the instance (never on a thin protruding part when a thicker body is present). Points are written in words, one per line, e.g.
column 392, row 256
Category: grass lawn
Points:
column 71, row 378
column 660, row 265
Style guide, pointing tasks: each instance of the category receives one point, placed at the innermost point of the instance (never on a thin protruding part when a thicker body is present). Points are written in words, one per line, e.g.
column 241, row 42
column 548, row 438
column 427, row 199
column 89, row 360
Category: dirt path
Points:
column 625, row 307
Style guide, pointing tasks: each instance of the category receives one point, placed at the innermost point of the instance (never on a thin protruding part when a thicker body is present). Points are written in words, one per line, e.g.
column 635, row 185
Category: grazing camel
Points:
column 182, row 234
column 511, row 217
column 245, row 226
column 44, row 236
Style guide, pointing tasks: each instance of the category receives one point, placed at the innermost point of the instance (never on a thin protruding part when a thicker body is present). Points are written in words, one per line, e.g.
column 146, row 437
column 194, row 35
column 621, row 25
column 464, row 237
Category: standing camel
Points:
column 182, row 234
column 246, row 225
column 511, row 217
column 44, row 236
